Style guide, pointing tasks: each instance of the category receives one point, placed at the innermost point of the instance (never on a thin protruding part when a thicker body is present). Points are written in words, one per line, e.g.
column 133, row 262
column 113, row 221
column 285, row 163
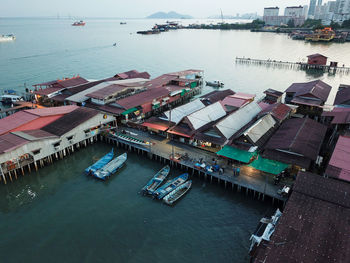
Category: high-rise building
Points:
column 319, row 2
column 312, row 8
column 294, row 11
column 271, row 11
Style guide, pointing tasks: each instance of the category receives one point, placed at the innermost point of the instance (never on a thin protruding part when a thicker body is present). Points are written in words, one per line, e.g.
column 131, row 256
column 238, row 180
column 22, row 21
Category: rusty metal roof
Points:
column 10, row 142
column 314, row 226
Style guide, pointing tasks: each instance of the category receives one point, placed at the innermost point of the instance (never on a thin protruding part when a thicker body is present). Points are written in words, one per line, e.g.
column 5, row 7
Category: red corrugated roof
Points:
column 15, row 120
column 48, row 91
column 244, row 96
column 10, row 141
column 142, row 98
column 155, row 126
column 37, row 123
column 340, row 159
column 53, row 110
column 234, row 102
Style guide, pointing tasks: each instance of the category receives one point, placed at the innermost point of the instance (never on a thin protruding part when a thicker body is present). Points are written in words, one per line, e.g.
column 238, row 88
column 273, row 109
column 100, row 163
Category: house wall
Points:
column 317, row 61
column 46, row 146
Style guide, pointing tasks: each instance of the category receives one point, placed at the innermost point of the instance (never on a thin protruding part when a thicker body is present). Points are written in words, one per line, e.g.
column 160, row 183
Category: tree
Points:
column 346, row 24
column 313, row 23
column 334, row 25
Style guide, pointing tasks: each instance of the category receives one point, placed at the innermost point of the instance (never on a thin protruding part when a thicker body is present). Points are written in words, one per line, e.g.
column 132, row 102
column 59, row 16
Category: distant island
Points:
column 170, row 15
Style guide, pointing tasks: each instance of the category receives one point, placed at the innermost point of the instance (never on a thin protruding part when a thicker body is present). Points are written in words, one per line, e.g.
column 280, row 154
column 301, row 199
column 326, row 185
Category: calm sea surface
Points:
column 60, row 215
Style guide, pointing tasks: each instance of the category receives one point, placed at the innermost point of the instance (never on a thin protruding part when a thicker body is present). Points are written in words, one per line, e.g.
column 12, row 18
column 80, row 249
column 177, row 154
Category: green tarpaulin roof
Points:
column 129, row 111
column 236, row 154
column 268, row 166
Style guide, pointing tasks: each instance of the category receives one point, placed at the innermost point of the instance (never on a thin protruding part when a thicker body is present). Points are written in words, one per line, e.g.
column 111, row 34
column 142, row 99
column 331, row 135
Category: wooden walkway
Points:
column 291, row 65
column 258, row 186
column 22, row 105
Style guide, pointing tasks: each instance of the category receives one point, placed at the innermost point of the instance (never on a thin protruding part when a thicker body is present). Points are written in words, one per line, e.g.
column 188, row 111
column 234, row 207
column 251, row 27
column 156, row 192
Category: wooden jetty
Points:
column 228, row 182
column 21, row 105
column 292, row 65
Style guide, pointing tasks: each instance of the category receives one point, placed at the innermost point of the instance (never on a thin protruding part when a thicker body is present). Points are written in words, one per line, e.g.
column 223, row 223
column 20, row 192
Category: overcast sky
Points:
column 136, row 8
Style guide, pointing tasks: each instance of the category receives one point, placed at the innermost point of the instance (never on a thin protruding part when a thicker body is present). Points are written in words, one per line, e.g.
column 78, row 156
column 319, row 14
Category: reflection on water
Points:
column 62, row 212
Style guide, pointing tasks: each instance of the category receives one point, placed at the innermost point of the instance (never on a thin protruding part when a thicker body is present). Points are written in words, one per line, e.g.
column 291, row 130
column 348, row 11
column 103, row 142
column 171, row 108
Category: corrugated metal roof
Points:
column 15, row 120
column 70, row 121
column 300, row 136
column 142, row 98
column 343, row 95
column 216, row 95
column 236, row 120
column 72, row 82
column 10, row 141
column 179, row 113
column 47, row 91
column 259, row 128
column 317, row 88
column 42, row 112
column 234, row 102
column 33, row 135
column 206, row 115
column 314, row 226
column 340, row 159
column 81, row 96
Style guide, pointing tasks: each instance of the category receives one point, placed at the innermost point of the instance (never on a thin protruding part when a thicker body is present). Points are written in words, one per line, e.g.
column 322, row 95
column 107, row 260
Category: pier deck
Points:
column 292, row 65
column 249, row 180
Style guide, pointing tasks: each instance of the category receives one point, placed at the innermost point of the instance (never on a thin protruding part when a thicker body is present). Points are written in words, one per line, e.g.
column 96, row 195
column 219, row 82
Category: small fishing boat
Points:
column 4, row 38
column 176, row 194
column 128, row 138
column 8, row 99
column 123, row 23
column 111, row 167
column 79, row 23
column 100, row 163
column 216, row 83
column 170, row 186
column 156, row 181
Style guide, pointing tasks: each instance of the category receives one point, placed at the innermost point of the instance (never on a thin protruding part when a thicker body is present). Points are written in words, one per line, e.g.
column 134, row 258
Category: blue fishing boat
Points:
column 170, row 186
column 100, row 163
column 176, row 194
column 156, row 181
column 111, row 167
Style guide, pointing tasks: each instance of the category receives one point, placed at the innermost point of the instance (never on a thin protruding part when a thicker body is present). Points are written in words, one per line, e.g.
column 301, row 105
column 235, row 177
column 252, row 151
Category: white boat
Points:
column 111, row 168
column 177, row 193
column 9, row 99
column 215, row 83
column 4, row 38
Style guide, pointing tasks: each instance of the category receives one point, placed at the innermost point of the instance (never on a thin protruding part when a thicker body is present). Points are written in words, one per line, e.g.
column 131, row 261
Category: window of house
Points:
column 57, row 144
column 35, row 152
column 70, row 137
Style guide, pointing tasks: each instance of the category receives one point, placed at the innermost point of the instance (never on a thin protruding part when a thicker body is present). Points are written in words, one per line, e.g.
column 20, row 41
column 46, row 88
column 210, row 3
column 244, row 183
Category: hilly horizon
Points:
column 171, row 14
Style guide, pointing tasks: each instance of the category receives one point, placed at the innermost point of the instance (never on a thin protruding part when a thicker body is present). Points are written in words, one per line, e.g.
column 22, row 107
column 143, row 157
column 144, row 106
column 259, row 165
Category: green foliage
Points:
column 291, row 23
column 346, row 24
column 313, row 23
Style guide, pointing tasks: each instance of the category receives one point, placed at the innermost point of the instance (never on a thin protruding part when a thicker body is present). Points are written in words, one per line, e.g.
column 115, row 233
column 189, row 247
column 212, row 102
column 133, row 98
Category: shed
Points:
column 316, row 59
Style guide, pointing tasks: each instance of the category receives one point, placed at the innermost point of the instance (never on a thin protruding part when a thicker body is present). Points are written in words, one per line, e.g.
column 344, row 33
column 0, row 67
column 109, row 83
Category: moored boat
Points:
column 170, row 186
column 177, row 193
column 79, row 23
column 215, row 83
column 9, row 37
column 128, row 138
column 100, row 163
column 111, row 167
column 10, row 99
column 156, row 181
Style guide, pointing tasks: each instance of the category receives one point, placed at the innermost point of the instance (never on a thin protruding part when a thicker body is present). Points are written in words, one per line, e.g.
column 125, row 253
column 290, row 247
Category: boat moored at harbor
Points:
column 215, row 83
column 9, row 99
column 177, row 193
column 111, row 167
column 79, row 23
column 156, row 181
column 100, row 163
column 170, row 186
column 5, row 38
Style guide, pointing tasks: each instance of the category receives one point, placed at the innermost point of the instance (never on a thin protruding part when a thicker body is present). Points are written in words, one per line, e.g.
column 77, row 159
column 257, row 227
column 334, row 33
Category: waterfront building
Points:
column 309, row 96
column 339, row 165
column 236, row 101
column 271, row 11
column 312, row 9
column 272, row 96
column 294, row 11
column 342, row 98
column 317, row 59
column 278, row 111
column 216, row 95
column 34, row 137
column 297, row 141
column 314, row 224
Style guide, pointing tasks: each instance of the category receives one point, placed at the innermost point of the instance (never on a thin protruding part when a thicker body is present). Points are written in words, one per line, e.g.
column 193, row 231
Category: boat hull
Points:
column 156, row 181
column 170, row 186
column 111, row 168
column 177, row 193
column 100, row 163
